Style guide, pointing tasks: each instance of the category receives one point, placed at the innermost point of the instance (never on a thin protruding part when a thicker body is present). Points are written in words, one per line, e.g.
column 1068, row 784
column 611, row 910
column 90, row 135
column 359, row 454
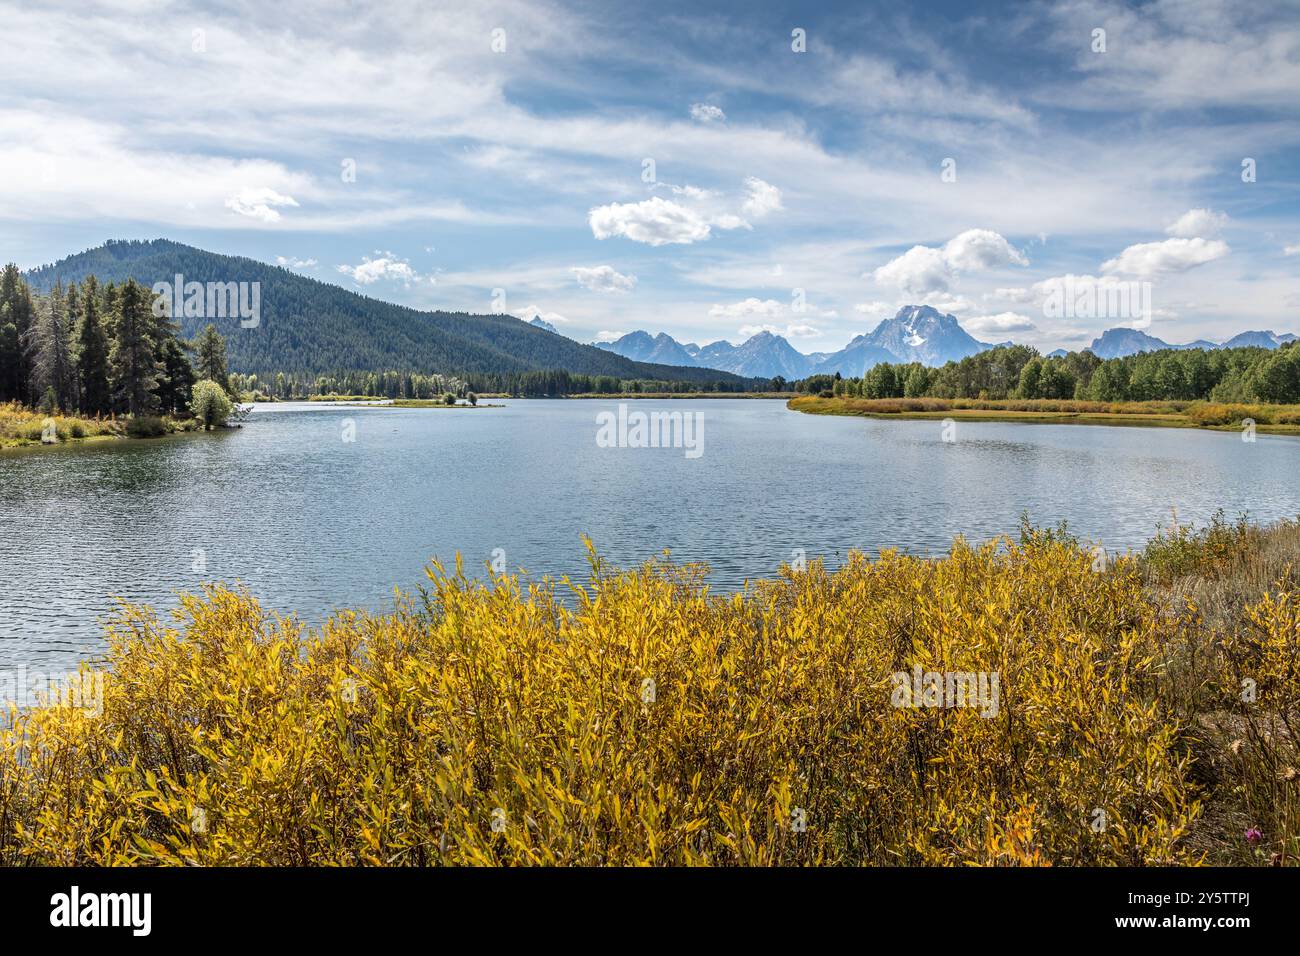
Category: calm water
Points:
column 310, row 522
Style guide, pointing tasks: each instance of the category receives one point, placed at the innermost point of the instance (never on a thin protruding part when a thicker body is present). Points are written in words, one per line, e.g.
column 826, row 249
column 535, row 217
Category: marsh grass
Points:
column 1279, row 419
column 20, row 425
column 637, row 718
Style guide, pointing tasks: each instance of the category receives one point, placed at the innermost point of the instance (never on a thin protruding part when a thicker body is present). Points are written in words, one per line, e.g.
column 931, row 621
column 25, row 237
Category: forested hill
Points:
column 311, row 326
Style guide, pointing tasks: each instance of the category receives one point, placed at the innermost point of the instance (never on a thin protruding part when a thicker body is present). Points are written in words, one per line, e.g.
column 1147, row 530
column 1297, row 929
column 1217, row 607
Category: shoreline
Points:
column 1169, row 414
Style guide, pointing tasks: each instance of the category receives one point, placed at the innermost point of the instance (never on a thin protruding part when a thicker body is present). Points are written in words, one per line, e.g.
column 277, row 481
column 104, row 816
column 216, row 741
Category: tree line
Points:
column 93, row 349
column 552, row 383
column 1018, row 371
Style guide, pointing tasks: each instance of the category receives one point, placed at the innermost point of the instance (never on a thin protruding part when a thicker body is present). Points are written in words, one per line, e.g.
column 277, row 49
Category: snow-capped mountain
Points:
column 917, row 333
column 543, row 324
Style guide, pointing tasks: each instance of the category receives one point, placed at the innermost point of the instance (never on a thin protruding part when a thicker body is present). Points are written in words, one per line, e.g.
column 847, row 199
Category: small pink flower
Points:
column 1253, row 836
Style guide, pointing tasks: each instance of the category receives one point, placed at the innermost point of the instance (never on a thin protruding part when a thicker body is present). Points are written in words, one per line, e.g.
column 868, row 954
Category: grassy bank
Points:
column 648, row 721
column 22, row 426
column 1270, row 419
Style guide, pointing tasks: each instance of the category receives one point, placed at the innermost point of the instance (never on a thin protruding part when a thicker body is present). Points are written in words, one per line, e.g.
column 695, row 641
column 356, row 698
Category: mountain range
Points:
column 917, row 333
column 306, row 325
column 1117, row 343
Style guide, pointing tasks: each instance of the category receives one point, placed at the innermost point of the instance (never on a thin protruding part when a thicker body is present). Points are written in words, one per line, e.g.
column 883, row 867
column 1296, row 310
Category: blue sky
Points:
column 802, row 192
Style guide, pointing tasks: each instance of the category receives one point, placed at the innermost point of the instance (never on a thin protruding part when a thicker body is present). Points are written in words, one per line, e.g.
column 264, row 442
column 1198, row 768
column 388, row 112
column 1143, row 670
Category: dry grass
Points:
column 1274, row 419
column 20, row 425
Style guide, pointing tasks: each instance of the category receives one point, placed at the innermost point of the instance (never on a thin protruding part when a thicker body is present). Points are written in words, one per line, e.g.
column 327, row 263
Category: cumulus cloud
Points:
column 654, row 221
column 762, row 198
column 1197, row 222
column 608, row 336
column 924, row 269
column 978, row 249
column 603, row 279
column 1149, row 259
column 919, row 270
column 384, row 265
column 259, row 203
column 1291, row 250
column 291, row 262
column 707, row 113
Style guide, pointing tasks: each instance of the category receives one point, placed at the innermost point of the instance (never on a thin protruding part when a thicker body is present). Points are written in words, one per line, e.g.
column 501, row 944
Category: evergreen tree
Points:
column 92, row 353
column 133, row 358
column 16, row 313
column 73, row 321
column 177, row 378
column 49, row 349
column 211, row 350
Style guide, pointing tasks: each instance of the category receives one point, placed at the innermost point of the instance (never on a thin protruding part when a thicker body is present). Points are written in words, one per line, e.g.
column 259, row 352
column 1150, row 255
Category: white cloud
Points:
column 603, row 279
column 291, row 262
column 923, row 270
column 690, row 192
column 259, row 203
column 1149, row 259
column 1291, row 250
column 768, row 308
column 707, row 113
column 874, row 309
column 728, row 220
column 976, row 250
column 654, row 221
column 532, row 311
column 1015, row 294
column 763, row 198
column 1197, row 222
column 608, row 336
column 1000, row 324
column 385, row 265
column 919, row 270
column 948, row 302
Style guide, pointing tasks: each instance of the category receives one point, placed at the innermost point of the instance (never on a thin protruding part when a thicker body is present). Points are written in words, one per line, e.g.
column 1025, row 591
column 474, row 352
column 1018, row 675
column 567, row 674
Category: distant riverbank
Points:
column 1269, row 419
column 624, row 396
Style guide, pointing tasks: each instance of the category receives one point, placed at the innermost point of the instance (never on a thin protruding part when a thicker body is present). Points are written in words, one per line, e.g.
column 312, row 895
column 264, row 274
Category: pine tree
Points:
column 211, row 350
column 133, row 358
column 73, row 321
column 49, row 348
column 177, row 377
column 16, row 312
column 92, row 353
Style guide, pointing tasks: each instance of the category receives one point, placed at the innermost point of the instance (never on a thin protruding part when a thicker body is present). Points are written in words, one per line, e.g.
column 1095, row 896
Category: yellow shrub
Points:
column 635, row 720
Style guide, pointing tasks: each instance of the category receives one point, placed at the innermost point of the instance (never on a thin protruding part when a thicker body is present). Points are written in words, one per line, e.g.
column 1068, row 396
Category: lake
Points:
column 310, row 522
